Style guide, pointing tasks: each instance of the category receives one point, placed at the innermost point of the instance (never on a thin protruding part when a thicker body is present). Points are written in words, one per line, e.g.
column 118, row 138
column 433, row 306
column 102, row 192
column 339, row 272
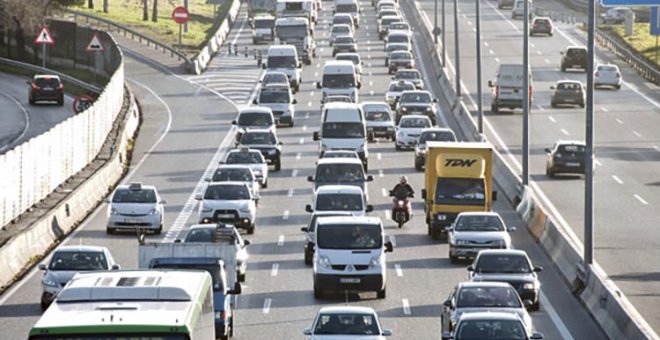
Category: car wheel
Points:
column 278, row 164
column 308, row 258
column 553, row 105
column 265, row 185
column 44, row 305
column 618, row 87
column 110, row 231
column 453, row 259
column 494, row 108
column 370, row 137
column 60, row 101
column 240, row 277
column 317, row 293
column 393, row 137
column 31, row 101
column 291, row 123
column 397, row 147
column 381, row 294
column 250, row 230
column 549, row 173
column 418, row 165
column 563, row 68
column 159, row 230
column 582, row 106
column 536, row 306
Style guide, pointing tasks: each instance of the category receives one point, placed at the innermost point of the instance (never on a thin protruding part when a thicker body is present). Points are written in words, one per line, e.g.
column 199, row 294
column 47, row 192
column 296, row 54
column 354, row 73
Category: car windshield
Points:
column 134, row 196
column 407, row 75
column 252, row 138
column 241, row 175
column 255, row 119
column 389, row 21
column 490, row 329
column 387, row 12
column 437, row 136
column 338, row 80
column 607, row 69
column 53, row 82
column 264, row 23
column 500, row 263
column 244, row 158
column 575, row 52
column 275, row 78
column 398, row 38
column 337, row 99
column 342, row 19
column 346, row 324
column 500, row 297
column 343, row 130
column 479, row 223
column 326, row 202
column 400, row 87
column 282, row 61
column 344, row 40
column 227, row 192
column 460, row 191
column 312, row 221
column 378, row 115
column 346, row 8
column 399, row 55
column 341, row 30
column 415, row 123
column 397, row 47
column 339, row 173
column 363, row 236
column 201, row 235
column 78, row 261
column 416, row 97
column 276, row 97
column 569, row 86
column 355, row 59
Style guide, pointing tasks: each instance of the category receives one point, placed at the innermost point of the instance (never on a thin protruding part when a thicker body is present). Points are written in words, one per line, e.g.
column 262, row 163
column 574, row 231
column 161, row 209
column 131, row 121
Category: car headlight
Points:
column 441, row 217
column 245, row 208
column 206, row 209
column 257, row 172
column 404, row 109
column 428, row 108
column 50, row 283
column 558, row 156
column 375, row 262
column 325, row 262
column 152, row 212
column 500, row 243
column 272, row 152
column 400, row 133
column 462, row 242
column 529, row 286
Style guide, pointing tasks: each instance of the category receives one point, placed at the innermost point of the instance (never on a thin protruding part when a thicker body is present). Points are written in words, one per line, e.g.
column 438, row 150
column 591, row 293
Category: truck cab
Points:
column 298, row 8
column 296, row 31
column 263, row 28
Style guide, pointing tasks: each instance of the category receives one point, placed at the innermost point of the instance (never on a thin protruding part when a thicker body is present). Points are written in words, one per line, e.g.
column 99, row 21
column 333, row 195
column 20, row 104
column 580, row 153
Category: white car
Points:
column 236, row 173
column 228, row 202
column 346, row 322
column 380, row 120
column 339, row 30
column 252, row 158
column 395, row 89
column 474, row 231
column 279, row 99
column 273, row 77
column 506, row 325
column 349, row 198
column 412, row 76
column 400, row 26
column 607, row 75
column 340, row 154
column 208, row 233
column 135, row 206
column 409, row 129
column 259, row 117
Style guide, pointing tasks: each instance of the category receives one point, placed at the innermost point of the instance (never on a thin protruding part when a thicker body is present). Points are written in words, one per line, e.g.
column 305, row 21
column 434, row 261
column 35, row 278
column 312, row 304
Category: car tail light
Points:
column 60, row 86
column 35, row 86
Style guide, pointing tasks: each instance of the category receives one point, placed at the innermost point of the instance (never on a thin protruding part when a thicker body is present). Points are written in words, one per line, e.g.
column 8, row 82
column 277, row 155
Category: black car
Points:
column 416, row 102
column 574, row 57
column 512, row 266
column 264, row 140
column 568, row 92
column 565, row 157
column 46, row 88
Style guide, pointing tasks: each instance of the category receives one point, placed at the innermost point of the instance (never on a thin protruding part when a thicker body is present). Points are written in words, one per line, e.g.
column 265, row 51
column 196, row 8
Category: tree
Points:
column 90, row 4
column 145, row 10
column 105, row 6
column 24, row 18
column 154, row 14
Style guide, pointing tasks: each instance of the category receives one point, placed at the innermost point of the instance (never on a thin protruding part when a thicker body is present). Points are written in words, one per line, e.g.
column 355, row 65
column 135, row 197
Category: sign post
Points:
column 655, row 28
column 180, row 16
column 44, row 38
column 94, row 46
column 82, row 103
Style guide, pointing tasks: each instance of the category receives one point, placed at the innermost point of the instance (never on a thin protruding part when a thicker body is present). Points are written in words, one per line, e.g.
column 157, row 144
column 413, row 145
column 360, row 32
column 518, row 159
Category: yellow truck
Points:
column 458, row 178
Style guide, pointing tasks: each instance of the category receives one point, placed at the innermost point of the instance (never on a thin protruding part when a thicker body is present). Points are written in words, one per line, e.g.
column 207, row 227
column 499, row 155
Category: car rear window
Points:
column 569, row 86
column 576, row 52
column 571, row 149
column 47, row 82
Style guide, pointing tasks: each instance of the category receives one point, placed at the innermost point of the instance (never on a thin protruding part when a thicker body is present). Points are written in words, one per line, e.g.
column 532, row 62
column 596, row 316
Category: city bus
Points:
column 131, row 304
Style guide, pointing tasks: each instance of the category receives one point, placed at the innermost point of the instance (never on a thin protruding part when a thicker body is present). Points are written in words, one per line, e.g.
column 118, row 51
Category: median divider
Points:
column 201, row 61
column 602, row 298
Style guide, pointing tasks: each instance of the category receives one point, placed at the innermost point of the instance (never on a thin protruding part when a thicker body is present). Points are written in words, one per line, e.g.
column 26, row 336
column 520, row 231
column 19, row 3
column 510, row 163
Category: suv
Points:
column 252, row 158
column 279, row 99
column 565, row 157
column 228, row 202
column 266, row 142
column 310, row 229
column 541, row 25
column 416, row 102
column 135, row 206
column 574, row 57
column 46, row 87
column 66, row 262
column 253, row 118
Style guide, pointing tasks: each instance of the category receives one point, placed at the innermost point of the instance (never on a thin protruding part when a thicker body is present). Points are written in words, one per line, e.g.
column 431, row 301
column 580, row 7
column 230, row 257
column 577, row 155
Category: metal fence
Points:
column 34, row 169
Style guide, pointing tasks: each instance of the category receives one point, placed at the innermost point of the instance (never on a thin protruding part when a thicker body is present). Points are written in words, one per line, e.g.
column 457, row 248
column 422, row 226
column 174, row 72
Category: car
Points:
column 263, row 28
column 310, row 230
column 340, row 154
column 279, row 99
column 344, row 43
column 518, row 11
column 400, row 26
column 607, row 75
column 387, row 11
column 512, row 266
column 385, row 22
column 343, row 18
column 209, row 233
column 253, row 118
column 568, row 92
column 135, row 206
column 46, row 87
column 541, row 25
column 273, row 77
column 395, row 89
column 340, row 198
column 416, row 102
column 504, row 3
column 333, row 171
column 411, row 75
column 399, row 60
column 470, row 297
column 241, row 173
column 398, row 37
column 335, row 99
column 264, row 140
column 477, row 230
column 574, row 57
column 435, row 134
column 228, row 202
column 566, row 157
column 252, row 158
column 396, row 47
column 380, row 120
column 491, row 325
column 350, row 322
column 615, row 16
column 409, row 129
column 339, row 30
column 66, row 262
column 355, row 58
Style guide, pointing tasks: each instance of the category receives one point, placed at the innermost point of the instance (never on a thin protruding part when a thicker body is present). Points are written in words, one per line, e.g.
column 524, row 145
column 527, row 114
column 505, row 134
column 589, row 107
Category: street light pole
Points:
column 525, row 106
column 480, row 108
column 457, row 50
column 589, row 139
column 435, row 22
column 444, row 53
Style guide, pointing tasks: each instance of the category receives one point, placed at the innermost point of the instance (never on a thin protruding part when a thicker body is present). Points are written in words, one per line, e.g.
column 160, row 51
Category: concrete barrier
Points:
column 201, row 61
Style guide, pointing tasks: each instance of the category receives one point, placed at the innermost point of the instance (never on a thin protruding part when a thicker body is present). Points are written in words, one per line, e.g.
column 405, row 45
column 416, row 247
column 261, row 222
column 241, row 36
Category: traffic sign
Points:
column 44, row 37
column 629, row 3
column 180, row 15
column 95, row 44
column 82, row 103
column 655, row 21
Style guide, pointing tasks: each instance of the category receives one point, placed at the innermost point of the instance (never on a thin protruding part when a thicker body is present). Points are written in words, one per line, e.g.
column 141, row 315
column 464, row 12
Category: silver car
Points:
column 228, row 202
column 339, row 30
column 607, row 75
column 344, row 43
column 474, row 231
column 395, row 89
column 380, row 120
column 135, row 206
column 66, row 262
column 252, row 158
column 241, row 173
column 412, row 76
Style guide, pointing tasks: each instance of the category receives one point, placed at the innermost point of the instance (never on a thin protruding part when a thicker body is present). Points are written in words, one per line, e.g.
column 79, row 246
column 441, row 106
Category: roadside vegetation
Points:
column 641, row 40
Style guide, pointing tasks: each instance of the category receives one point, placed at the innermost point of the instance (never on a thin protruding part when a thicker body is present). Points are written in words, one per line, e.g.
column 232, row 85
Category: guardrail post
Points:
column 246, row 51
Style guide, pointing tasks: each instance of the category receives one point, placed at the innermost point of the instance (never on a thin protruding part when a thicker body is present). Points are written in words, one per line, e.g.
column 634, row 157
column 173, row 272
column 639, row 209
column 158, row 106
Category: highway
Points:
column 22, row 121
column 627, row 148
column 186, row 131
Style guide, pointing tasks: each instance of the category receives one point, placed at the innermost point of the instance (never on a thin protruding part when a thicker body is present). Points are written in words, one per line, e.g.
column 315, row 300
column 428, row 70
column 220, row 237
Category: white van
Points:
column 341, row 112
column 340, row 198
column 343, row 127
column 349, row 255
column 284, row 58
column 351, row 7
column 508, row 87
column 339, row 79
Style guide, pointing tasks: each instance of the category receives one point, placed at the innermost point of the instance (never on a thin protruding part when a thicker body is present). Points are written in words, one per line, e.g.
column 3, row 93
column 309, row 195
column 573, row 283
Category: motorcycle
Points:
column 401, row 212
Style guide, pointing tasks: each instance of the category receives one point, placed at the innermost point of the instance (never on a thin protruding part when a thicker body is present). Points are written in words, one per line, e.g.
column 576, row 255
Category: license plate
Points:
column 130, row 220
column 349, row 280
column 572, row 164
column 225, row 216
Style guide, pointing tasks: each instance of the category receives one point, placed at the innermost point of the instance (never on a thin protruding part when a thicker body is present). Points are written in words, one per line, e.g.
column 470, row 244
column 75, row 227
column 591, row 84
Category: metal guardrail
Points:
column 111, row 25
column 63, row 77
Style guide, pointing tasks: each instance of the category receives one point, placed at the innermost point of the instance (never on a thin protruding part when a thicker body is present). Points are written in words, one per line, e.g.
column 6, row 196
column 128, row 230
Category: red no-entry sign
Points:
column 180, row 15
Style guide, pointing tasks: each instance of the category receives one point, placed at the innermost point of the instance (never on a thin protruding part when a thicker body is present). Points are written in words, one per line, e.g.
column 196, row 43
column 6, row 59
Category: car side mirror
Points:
column 207, row 179
column 369, row 178
column 448, row 304
column 494, row 194
column 294, row 101
column 370, row 208
column 537, row 269
column 254, row 101
column 391, row 193
column 221, row 162
column 359, row 85
column 536, row 336
column 310, row 179
column 107, row 200
column 315, row 136
column 511, row 229
column 435, row 100
column 178, row 240
column 548, row 150
column 238, row 289
column 299, row 65
column 246, row 242
column 490, row 83
column 280, row 143
column 318, row 85
column 552, row 87
column 116, row 267
column 423, row 194
column 389, row 247
column 386, row 332
column 448, row 228
column 233, row 122
column 263, row 66
column 42, row 266
column 198, row 197
column 304, row 229
column 308, row 208
column 307, row 331
column 393, row 78
column 470, row 268
column 561, row 52
column 163, row 201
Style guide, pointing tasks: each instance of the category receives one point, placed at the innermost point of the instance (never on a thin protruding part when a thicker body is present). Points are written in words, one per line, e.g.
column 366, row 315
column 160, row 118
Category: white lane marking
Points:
column 392, row 239
column 564, row 132
column 294, row 173
column 399, row 272
column 546, row 61
column 538, row 52
column 639, row 198
column 469, row 22
column 637, row 134
column 27, row 120
column 306, row 115
column 657, row 148
column 532, row 45
column 619, row 121
column 406, row 306
column 302, row 140
column 386, row 212
column 384, row 191
column 486, row 43
column 491, row 52
column 561, row 327
column 368, row 48
column 371, row 83
column 304, row 128
column 290, row 193
column 617, row 179
column 552, row 119
column 311, row 94
column 540, row 107
column 604, row 109
column 273, row 272
column 309, row 104
column 380, row 173
column 240, row 30
column 318, row 65
column 371, row 93
column 497, row 60
column 267, row 303
column 280, row 241
column 379, row 156
column 316, row 74
column 598, row 162
column 369, row 64
column 298, row 155
column 285, row 216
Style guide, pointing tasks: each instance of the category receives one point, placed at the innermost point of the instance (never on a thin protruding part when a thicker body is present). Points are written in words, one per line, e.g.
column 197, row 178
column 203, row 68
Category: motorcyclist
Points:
column 401, row 192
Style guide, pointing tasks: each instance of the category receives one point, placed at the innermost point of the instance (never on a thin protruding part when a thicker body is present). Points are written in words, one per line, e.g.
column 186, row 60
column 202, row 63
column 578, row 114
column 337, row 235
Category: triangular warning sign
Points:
column 44, row 37
column 95, row 44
